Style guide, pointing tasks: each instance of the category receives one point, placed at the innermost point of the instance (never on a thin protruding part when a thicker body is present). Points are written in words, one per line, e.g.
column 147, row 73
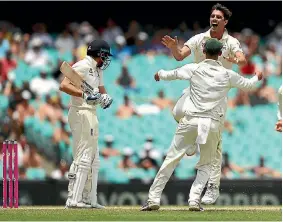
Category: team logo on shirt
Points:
column 202, row 44
column 90, row 72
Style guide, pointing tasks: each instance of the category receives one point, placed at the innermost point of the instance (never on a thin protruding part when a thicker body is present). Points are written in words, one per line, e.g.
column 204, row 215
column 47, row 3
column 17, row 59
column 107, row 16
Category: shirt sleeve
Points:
column 81, row 69
column 185, row 72
column 101, row 83
column 236, row 46
column 192, row 42
column 237, row 81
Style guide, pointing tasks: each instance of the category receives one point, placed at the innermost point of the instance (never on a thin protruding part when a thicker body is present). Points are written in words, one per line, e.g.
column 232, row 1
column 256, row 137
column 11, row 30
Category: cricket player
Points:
column 83, row 173
column 209, row 86
column 278, row 126
column 232, row 53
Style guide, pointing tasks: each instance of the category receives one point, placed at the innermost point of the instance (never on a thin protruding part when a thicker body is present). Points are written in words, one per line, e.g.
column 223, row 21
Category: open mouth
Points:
column 214, row 25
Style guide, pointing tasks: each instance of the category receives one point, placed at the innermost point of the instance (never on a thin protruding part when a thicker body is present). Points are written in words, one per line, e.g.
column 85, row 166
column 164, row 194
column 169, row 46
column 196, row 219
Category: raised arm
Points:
column 179, row 53
column 239, row 56
column 241, row 59
column 237, row 81
column 185, row 72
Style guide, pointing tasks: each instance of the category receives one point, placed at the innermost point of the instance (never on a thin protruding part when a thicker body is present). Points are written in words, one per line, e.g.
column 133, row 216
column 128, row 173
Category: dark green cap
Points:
column 213, row 46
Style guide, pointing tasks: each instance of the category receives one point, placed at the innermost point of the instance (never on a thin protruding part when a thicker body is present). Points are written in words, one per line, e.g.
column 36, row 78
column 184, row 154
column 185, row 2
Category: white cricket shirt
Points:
column 209, row 86
column 92, row 75
column 230, row 46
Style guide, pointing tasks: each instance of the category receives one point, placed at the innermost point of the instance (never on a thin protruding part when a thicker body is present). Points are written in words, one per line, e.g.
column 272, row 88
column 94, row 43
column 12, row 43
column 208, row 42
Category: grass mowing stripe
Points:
column 132, row 213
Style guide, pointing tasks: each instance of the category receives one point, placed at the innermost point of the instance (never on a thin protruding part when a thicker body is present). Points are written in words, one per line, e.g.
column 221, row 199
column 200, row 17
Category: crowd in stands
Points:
column 36, row 93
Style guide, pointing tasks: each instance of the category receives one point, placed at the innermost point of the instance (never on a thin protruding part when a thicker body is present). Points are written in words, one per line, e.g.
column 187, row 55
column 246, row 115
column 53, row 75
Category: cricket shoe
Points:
column 83, row 205
column 211, row 194
column 77, row 205
column 149, row 206
column 88, row 205
column 195, row 206
column 97, row 206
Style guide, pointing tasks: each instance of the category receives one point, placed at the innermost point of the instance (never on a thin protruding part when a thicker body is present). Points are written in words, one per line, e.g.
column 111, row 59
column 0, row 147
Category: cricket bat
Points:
column 75, row 78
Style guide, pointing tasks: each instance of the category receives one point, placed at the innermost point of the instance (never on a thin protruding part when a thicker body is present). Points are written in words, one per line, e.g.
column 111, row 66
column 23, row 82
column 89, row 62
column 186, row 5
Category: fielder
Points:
column 278, row 126
column 83, row 173
column 232, row 53
column 210, row 83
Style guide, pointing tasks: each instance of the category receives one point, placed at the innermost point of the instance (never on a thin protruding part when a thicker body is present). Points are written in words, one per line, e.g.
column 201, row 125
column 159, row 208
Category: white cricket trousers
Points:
column 84, row 128
column 178, row 112
column 184, row 139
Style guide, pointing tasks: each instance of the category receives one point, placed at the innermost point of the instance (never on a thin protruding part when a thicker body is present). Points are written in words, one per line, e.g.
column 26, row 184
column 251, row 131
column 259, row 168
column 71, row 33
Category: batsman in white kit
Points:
column 232, row 53
column 84, row 82
column 209, row 86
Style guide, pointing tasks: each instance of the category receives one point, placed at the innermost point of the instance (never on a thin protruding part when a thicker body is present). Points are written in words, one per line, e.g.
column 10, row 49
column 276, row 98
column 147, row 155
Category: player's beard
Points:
column 99, row 63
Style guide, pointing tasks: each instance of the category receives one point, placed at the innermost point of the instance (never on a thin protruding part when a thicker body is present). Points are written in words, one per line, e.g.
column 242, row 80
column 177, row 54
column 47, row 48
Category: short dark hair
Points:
column 227, row 13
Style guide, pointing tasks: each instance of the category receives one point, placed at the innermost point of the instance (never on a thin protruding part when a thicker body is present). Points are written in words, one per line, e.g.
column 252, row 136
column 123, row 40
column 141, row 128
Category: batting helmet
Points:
column 100, row 48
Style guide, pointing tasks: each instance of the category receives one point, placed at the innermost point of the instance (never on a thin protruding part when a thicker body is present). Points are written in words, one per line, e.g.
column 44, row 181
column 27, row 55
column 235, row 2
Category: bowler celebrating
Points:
column 232, row 53
column 210, row 84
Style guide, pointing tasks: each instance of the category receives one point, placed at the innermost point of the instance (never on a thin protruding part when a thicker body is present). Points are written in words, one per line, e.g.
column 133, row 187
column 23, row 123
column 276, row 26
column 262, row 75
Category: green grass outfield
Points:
column 129, row 213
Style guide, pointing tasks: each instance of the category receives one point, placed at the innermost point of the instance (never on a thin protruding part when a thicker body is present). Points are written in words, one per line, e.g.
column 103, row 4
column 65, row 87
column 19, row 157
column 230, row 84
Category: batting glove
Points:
column 92, row 99
column 105, row 101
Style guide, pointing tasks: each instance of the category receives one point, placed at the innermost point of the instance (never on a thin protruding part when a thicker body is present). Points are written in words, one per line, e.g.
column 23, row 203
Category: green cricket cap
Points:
column 213, row 46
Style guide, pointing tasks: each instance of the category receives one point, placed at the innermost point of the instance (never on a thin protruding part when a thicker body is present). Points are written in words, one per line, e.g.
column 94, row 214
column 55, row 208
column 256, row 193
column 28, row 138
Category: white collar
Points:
column 212, row 62
column 224, row 36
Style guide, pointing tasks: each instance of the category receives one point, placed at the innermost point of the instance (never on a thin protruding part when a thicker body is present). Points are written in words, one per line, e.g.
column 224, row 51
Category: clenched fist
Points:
column 259, row 75
column 278, row 126
column 156, row 77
